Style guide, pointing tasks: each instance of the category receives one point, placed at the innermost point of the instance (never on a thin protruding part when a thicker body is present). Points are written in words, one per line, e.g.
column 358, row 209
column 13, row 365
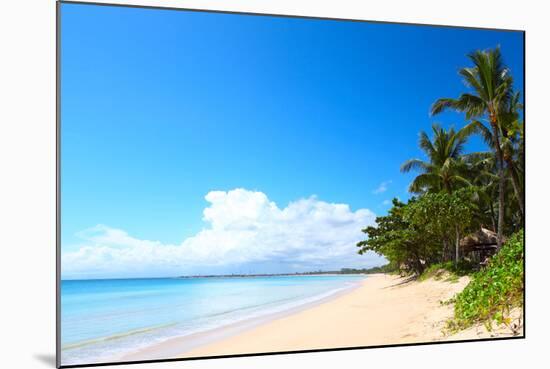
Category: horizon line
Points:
column 233, row 275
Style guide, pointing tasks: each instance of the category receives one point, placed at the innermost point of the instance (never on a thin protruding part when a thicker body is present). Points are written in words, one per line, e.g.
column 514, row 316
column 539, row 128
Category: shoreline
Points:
column 380, row 310
column 384, row 310
column 173, row 347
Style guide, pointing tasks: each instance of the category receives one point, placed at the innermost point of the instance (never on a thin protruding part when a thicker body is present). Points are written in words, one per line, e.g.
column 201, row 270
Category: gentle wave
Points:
column 115, row 337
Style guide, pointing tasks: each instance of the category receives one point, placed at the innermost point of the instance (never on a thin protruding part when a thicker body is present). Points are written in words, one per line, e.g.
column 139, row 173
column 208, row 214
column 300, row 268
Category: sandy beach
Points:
column 382, row 310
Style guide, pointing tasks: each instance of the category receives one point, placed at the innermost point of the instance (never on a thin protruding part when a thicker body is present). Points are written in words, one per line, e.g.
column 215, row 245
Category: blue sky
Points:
column 160, row 108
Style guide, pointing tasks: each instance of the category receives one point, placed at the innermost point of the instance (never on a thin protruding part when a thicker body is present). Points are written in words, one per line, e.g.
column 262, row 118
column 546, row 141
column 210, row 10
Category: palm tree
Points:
column 482, row 175
column 445, row 166
column 512, row 146
column 511, row 143
column 491, row 86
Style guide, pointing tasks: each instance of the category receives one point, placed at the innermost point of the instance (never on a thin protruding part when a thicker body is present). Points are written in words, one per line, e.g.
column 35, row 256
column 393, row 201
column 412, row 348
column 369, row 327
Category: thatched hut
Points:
column 480, row 245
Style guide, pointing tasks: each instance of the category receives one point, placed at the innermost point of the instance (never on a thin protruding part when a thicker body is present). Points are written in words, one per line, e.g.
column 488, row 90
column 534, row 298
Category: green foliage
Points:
column 441, row 214
column 493, row 291
column 446, row 170
column 403, row 244
column 388, row 268
column 412, row 236
column 490, row 99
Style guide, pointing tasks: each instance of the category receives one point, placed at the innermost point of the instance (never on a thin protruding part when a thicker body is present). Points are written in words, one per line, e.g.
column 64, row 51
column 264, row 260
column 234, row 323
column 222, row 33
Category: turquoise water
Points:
column 104, row 319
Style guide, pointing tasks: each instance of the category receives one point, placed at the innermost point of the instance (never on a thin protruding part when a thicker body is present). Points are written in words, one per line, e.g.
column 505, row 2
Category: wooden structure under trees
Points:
column 480, row 245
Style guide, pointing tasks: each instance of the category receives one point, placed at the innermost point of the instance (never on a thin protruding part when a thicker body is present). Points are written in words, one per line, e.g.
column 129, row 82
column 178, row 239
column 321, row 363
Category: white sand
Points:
column 383, row 310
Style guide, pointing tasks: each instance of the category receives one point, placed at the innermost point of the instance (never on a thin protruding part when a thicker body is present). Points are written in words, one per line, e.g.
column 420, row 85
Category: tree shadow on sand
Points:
column 403, row 282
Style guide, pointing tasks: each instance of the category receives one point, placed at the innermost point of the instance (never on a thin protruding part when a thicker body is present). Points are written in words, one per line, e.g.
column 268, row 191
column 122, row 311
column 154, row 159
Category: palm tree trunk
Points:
column 493, row 222
column 457, row 245
column 500, row 166
column 500, row 225
column 516, row 185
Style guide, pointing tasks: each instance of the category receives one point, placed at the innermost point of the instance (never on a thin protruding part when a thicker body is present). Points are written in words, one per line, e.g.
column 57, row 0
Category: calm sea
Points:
column 103, row 319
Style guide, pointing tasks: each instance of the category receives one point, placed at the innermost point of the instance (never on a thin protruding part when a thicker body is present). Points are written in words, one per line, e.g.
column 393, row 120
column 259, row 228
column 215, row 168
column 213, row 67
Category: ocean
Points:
column 105, row 319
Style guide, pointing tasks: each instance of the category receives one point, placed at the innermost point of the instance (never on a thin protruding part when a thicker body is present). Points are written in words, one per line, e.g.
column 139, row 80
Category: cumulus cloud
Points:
column 242, row 228
column 382, row 187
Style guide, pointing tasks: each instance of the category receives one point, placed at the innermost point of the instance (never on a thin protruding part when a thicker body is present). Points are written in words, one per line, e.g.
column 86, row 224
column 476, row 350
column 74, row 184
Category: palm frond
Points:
column 461, row 180
column 441, row 105
column 425, row 144
column 414, row 164
column 425, row 182
column 481, row 129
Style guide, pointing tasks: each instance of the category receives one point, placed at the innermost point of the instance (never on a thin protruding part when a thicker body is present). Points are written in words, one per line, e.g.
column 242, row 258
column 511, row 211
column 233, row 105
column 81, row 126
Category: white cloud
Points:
column 386, row 202
column 382, row 187
column 243, row 228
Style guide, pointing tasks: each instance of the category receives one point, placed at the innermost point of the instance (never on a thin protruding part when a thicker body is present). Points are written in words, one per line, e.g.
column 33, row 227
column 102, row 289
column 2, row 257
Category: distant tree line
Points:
column 378, row 269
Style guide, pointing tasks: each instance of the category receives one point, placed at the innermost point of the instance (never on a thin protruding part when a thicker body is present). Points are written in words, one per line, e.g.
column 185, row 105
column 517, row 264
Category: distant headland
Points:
column 373, row 270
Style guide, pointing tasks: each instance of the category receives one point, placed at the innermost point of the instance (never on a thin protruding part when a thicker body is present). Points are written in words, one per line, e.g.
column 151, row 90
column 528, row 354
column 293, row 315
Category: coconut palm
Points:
column 484, row 180
column 512, row 146
column 445, row 167
column 511, row 143
column 491, row 86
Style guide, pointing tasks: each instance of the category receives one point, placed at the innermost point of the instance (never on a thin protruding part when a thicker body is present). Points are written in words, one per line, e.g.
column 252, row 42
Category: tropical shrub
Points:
column 495, row 290
column 407, row 247
column 444, row 216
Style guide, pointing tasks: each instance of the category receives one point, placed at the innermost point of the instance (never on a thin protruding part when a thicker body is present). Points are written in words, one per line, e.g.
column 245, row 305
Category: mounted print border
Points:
column 241, row 184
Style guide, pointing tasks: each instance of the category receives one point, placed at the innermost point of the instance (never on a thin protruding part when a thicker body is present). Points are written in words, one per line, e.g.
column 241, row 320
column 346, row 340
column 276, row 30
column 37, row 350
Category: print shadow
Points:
column 48, row 359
